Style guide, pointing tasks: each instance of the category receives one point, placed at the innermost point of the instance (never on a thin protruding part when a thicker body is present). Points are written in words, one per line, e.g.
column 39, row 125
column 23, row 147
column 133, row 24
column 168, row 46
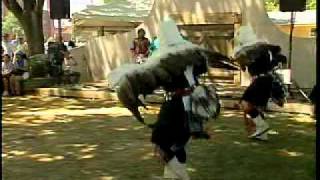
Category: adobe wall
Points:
column 303, row 31
column 105, row 53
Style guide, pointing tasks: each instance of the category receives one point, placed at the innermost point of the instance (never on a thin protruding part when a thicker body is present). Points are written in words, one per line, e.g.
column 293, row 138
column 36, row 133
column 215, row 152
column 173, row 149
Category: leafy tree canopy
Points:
column 29, row 14
column 10, row 24
column 273, row 5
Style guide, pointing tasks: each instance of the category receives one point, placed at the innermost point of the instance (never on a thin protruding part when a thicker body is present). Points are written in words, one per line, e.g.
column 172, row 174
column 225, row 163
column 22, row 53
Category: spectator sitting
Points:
column 7, row 68
column 19, row 73
column 22, row 45
column 69, row 66
column 7, row 45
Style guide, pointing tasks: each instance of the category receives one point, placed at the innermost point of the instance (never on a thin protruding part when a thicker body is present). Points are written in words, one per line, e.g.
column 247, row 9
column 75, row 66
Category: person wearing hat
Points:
column 19, row 73
column 175, row 66
column 171, row 133
column 260, row 59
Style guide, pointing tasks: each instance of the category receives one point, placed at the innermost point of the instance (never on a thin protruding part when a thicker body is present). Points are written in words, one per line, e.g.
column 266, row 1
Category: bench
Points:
column 34, row 83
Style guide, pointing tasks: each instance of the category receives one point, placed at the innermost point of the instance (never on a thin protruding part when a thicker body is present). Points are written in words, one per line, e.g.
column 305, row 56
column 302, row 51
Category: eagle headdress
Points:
column 257, row 55
column 260, row 57
column 160, row 70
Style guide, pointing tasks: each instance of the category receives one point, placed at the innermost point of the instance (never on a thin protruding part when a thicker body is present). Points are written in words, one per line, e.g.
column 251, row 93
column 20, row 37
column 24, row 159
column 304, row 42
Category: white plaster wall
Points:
column 105, row 53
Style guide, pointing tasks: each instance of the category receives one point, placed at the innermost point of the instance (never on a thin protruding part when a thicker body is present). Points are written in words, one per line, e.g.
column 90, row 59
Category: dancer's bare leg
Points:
column 249, row 124
column 256, row 126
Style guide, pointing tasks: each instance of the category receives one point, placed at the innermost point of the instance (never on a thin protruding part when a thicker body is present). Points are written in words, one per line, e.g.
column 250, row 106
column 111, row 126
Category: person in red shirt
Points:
column 140, row 47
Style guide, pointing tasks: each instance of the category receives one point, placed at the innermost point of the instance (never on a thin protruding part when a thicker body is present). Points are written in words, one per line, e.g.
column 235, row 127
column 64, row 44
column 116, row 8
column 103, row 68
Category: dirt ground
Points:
column 48, row 138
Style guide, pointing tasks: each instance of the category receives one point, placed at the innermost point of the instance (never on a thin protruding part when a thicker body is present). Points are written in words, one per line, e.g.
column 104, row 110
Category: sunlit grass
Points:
column 56, row 138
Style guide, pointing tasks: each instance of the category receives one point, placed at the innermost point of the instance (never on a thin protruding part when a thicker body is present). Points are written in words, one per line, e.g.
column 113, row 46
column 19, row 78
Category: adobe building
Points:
column 304, row 22
column 110, row 18
column 215, row 20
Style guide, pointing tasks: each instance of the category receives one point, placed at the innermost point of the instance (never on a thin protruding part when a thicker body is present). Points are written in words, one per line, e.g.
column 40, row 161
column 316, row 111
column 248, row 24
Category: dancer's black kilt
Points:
column 171, row 129
column 259, row 91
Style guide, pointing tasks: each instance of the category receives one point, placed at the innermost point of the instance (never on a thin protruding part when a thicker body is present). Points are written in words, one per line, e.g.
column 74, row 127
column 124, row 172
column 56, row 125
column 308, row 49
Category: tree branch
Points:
column 14, row 7
column 29, row 5
column 6, row 3
column 39, row 7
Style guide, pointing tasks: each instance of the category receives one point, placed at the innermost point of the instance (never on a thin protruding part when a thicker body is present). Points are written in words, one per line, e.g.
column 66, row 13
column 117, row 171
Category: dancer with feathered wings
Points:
column 175, row 67
column 262, row 60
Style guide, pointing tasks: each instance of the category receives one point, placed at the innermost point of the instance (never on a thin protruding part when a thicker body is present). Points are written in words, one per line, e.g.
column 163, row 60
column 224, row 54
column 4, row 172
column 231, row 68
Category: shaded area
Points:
column 56, row 138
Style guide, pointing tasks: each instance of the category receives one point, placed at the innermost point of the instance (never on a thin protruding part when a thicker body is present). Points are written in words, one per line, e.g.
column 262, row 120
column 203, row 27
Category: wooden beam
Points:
column 229, row 34
column 210, row 30
column 208, row 18
column 106, row 27
column 204, row 27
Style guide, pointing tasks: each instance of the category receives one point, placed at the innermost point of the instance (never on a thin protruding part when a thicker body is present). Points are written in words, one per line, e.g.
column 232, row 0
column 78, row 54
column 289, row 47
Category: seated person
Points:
column 19, row 73
column 69, row 66
column 7, row 68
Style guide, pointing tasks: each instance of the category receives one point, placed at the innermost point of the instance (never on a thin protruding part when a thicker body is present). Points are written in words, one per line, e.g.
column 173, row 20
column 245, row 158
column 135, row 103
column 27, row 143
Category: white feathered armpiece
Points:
column 259, row 57
column 264, row 58
column 256, row 54
column 132, row 80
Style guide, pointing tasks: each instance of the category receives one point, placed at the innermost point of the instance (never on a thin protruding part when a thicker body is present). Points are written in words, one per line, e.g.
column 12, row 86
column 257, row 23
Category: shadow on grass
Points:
column 56, row 138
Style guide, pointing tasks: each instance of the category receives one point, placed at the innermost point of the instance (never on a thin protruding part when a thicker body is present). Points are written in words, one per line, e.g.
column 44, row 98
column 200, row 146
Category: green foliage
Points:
column 38, row 65
column 10, row 25
column 311, row 4
column 273, row 5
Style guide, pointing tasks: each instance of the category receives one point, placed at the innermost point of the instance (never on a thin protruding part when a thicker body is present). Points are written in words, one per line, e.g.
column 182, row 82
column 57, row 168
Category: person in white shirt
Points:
column 7, row 45
column 7, row 68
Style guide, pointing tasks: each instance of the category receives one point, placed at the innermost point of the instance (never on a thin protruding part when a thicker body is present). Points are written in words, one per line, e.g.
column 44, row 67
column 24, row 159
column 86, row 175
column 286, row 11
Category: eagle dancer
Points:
column 261, row 60
column 175, row 67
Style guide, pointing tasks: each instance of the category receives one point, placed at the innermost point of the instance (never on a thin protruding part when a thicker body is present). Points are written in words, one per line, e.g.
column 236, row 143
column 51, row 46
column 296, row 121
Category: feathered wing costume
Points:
column 160, row 70
column 175, row 67
column 261, row 59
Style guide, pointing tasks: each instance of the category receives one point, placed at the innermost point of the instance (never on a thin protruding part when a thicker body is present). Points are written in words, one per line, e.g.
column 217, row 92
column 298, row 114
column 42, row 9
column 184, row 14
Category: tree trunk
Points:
column 32, row 26
column 29, row 14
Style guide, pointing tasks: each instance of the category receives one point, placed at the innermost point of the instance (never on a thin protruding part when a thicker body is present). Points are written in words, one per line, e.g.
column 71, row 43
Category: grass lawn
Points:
column 76, row 139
